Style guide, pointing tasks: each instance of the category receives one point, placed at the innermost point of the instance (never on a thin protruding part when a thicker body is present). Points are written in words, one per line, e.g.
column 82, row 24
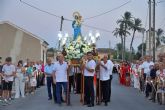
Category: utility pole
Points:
column 143, row 31
column 154, row 31
column 149, row 3
column 62, row 19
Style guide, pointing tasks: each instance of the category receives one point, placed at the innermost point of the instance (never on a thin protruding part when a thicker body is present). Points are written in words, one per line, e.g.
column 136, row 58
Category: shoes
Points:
column 85, row 103
column 149, row 98
column 49, row 98
column 106, row 104
column 98, row 103
column 90, row 105
column 16, row 97
column 109, row 100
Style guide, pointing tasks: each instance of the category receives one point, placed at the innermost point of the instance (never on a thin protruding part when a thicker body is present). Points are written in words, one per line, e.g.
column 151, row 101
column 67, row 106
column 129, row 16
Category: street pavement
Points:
column 123, row 98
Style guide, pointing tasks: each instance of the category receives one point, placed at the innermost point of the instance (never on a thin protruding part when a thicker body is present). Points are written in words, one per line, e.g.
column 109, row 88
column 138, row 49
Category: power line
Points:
column 66, row 19
column 32, row 6
column 107, row 11
column 93, row 27
column 101, row 29
column 160, row 1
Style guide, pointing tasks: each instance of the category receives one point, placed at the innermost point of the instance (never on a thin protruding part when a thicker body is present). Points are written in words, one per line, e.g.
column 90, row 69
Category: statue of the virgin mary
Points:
column 76, row 24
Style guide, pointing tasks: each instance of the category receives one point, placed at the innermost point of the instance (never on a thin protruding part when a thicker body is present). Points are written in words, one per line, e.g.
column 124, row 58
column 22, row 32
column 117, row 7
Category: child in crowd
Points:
column 33, row 81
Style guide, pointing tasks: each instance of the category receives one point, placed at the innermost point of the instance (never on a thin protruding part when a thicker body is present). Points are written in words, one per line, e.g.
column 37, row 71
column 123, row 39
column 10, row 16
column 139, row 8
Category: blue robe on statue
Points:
column 77, row 30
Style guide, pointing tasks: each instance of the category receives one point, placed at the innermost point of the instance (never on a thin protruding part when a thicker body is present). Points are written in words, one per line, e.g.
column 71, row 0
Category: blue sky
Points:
column 47, row 27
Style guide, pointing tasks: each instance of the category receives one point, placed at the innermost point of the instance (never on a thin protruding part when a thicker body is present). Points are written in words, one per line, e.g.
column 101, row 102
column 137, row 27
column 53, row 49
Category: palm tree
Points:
column 127, row 22
column 121, row 32
column 136, row 26
column 159, row 34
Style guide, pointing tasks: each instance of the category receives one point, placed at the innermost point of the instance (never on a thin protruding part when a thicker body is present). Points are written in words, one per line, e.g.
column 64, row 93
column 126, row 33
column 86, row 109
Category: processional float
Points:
column 75, row 52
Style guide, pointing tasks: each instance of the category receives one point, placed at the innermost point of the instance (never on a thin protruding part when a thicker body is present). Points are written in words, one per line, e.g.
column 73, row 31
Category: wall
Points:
column 18, row 44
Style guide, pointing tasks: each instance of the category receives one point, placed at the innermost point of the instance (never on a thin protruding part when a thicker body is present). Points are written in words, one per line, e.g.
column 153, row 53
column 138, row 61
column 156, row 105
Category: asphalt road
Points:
column 123, row 98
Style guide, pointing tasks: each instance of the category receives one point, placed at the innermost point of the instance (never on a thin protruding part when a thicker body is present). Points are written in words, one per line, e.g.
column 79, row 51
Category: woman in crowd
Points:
column 125, row 74
column 19, row 80
column 28, row 74
column 161, row 82
column 122, row 73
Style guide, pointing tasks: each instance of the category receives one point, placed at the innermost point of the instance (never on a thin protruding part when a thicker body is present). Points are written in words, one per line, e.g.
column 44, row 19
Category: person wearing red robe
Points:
column 122, row 73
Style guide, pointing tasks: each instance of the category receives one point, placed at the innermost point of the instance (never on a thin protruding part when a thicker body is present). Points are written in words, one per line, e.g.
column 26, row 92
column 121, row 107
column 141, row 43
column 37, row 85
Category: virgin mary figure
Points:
column 76, row 24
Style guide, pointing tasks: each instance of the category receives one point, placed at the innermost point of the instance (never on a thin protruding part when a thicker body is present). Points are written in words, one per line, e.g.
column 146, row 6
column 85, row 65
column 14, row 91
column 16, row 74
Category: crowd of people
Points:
column 26, row 78
column 79, row 79
column 62, row 78
column 146, row 76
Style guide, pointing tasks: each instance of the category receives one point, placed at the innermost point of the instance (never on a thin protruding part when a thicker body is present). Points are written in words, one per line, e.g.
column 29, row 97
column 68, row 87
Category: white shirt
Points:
column 61, row 71
column 105, row 73
column 91, row 65
column 158, row 73
column 110, row 63
column 38, row 66
column 8, row 70
column 147, row 67
column 71, row 71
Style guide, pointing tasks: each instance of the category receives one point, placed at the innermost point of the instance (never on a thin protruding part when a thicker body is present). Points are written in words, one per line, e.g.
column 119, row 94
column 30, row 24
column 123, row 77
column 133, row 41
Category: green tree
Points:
column 121, row 32
column 140, row 48
column 126, row 21
column 136, row 26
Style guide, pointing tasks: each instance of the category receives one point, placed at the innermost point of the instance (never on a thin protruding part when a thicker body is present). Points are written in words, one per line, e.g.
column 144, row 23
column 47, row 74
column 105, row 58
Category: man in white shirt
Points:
column 89, row 71
column 60, row 77
column 8, row 72
column 146, row 68
column 105, row 68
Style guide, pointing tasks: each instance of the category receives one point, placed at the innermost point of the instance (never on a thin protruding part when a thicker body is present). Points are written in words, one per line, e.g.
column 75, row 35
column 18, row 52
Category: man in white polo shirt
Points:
column 89, row 71
column 146, row 68
column 60, row 77
column 105, row 68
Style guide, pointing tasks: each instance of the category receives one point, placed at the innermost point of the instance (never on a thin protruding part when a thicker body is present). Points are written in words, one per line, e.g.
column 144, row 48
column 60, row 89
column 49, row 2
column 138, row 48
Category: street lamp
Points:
column 62, row 38
column 92, row 38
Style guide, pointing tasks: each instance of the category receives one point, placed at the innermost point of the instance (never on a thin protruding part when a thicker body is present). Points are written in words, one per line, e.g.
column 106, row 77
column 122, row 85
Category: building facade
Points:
column 20, row 44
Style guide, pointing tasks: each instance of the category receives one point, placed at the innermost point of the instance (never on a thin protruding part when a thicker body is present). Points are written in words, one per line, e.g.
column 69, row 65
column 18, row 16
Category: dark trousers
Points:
column 49, row 86
column 71, row 83
column 109, row 87
column 105, row 90
column 42, row 79
column 98, row 89
column 142, row 82
column 78, row 83
column 38, row 78
column 59, row 85
column 154, row 89
column 89, row 90
column 148, row 89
